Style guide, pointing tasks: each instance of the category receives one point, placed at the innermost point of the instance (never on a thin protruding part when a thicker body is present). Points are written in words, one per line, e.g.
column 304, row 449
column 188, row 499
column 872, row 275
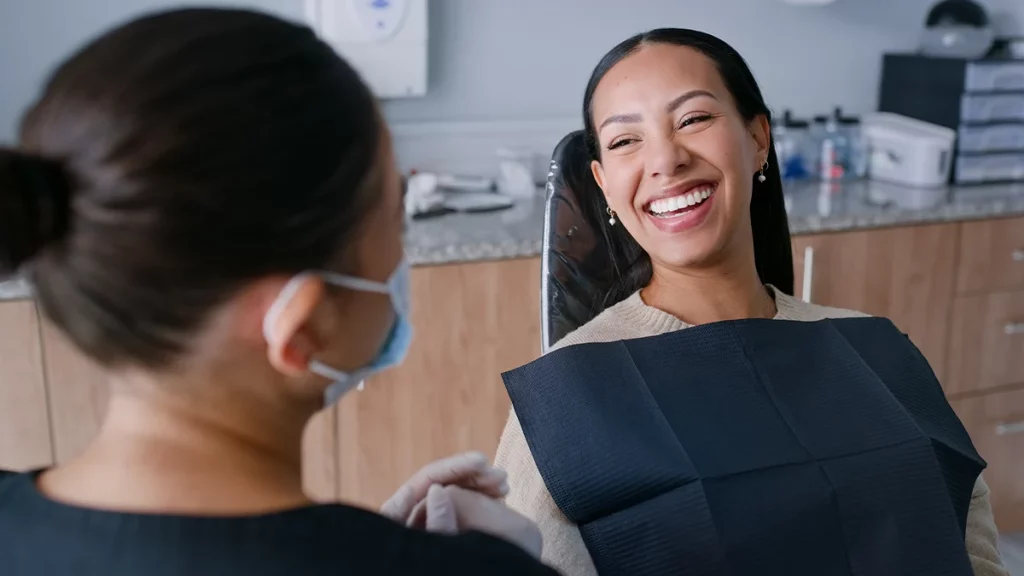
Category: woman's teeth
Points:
column 668, row 205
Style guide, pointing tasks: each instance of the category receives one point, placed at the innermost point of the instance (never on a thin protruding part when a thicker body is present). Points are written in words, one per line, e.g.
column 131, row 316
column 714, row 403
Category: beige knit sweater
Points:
column 632, row 318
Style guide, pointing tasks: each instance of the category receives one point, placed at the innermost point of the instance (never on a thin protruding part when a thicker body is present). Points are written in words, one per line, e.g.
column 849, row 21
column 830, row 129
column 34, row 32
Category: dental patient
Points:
column 706, row 421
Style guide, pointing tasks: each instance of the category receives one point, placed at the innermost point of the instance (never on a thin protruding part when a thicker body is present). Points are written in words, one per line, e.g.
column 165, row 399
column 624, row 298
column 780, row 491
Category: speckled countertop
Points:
column 813, row 208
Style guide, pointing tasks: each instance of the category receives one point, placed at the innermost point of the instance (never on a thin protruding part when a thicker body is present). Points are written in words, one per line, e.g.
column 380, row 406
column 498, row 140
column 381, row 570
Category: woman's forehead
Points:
column 653, row 72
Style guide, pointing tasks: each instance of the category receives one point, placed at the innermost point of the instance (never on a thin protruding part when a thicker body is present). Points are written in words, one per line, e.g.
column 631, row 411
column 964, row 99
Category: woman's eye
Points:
column 696, row 119
column 620, row 143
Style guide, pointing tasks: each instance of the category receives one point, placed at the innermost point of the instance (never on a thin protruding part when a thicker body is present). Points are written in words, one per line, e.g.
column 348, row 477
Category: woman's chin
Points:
column 695, row 249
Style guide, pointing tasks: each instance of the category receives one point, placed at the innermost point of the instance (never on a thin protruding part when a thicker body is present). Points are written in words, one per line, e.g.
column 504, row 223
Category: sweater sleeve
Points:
column 982, row 537
column 563, row 545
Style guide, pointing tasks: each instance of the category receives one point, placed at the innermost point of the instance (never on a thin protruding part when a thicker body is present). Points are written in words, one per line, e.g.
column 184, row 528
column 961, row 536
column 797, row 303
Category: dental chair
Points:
column 576, row 269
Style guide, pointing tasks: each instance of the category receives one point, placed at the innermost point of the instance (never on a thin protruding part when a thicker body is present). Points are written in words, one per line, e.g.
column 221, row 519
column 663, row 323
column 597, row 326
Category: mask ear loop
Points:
column 352, row 283
column 282, row 300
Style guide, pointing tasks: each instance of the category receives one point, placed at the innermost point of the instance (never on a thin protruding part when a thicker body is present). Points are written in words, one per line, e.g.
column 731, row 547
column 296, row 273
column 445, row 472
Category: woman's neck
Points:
column 712, row 295
column 155, row 454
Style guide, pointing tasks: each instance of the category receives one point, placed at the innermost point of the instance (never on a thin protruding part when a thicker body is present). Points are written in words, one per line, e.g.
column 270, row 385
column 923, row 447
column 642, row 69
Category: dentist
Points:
column 207, row 205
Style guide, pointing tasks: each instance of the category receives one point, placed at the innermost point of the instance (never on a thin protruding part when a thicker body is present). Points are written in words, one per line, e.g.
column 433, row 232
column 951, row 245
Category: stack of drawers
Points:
column 985, row 356
column 983, row 100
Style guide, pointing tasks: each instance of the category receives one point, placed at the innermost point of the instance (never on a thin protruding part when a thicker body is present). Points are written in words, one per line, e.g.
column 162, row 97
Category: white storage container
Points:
column 908, row 151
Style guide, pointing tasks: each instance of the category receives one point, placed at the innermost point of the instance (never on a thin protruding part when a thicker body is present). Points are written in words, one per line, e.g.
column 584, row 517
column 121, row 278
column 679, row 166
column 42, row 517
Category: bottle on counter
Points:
column 792, row 139
column 833, row 147
column 858, row 145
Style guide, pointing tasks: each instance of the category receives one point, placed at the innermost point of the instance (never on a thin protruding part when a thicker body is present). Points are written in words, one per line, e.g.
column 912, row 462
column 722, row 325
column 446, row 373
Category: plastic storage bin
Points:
column 908, row 151
column 995, row 76
column 998, row 138
column 989, row 168
column 992, row 108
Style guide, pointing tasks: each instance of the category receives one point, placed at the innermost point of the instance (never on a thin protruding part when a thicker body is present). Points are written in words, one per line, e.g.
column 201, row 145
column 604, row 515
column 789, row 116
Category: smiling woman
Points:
column 709, row 99
column 681, row 153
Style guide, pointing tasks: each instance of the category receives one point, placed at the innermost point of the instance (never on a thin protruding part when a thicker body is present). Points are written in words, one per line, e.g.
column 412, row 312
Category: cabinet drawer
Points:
column 986, row 347
column 991, row 256
column 996, row 425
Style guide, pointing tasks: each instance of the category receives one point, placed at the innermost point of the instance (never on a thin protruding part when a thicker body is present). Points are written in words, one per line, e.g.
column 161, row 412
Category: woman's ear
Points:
column 291, row 341
column 761, row 130
column 598, row 171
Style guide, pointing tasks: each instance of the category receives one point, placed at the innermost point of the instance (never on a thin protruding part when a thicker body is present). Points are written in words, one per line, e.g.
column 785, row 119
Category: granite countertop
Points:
column 813, row 208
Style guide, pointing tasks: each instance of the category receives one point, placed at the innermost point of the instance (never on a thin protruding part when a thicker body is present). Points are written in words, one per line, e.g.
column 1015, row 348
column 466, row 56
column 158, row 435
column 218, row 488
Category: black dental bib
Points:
column 762, row 447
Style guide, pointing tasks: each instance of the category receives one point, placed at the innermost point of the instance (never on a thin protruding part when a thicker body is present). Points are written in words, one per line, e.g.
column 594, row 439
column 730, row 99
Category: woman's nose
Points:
column 667, row 157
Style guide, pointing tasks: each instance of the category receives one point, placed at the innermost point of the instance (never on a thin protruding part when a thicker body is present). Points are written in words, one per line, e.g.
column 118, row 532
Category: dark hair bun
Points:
column 34, row 206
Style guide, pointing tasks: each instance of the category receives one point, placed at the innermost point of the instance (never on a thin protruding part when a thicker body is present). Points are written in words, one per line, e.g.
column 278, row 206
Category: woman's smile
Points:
column 682, row 207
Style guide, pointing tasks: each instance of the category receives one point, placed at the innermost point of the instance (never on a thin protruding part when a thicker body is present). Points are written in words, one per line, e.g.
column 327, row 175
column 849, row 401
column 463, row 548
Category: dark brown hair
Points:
column 773, row 253
column 175, row 159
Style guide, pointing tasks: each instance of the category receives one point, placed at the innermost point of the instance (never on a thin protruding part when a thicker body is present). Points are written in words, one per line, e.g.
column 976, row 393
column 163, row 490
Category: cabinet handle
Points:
column 1007, row 428
column 1018, row 255
column 1013, row 328
column 808, row 273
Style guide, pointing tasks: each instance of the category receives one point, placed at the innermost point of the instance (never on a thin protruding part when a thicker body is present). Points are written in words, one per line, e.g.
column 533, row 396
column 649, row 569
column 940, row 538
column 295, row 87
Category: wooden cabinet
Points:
column 986, row 357
column 472, row 322
column 24, row 419
column 905, row 274
column 996, row 425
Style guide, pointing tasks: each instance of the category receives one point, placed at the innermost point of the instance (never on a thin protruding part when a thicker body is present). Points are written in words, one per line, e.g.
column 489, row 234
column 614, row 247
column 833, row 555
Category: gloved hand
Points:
column 469, row 470
column 451, row 509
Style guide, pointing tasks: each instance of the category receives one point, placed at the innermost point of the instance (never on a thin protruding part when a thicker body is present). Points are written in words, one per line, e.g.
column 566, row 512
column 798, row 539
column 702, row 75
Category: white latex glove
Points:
column 451, row 509
column 470, row 470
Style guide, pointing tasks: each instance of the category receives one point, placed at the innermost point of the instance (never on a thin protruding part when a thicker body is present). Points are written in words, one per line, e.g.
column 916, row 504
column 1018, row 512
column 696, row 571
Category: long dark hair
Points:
column 773, row 253
column 174, row 160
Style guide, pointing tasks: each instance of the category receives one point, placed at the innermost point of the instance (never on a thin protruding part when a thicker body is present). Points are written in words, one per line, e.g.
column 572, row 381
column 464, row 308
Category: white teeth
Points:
column 674, row 203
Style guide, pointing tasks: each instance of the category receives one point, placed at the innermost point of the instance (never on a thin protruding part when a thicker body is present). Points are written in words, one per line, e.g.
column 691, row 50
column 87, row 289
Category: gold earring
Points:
column 612, row 214
column 761, row 177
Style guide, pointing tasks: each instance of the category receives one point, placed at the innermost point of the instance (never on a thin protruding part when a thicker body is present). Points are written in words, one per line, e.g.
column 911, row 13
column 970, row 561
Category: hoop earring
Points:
column 611, row 213
column 761, row 177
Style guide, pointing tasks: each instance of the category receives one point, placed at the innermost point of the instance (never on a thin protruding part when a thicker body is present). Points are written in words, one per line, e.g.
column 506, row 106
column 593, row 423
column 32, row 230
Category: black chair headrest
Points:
column 577, row 270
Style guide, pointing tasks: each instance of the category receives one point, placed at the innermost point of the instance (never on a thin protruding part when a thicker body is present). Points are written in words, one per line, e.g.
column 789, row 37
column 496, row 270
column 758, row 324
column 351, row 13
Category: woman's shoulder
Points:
column 124, row 542
column 792, row 308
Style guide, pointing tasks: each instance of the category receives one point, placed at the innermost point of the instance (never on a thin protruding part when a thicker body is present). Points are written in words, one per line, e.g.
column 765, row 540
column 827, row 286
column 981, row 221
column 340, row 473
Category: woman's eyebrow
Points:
column 672, row 106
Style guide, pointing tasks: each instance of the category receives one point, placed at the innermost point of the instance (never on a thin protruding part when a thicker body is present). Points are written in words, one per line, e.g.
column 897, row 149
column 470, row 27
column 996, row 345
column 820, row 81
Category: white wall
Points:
column 513, row 71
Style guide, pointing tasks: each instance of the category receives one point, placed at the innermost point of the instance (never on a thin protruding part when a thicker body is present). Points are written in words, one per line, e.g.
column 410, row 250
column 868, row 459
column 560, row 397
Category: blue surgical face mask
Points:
column 395, row 346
